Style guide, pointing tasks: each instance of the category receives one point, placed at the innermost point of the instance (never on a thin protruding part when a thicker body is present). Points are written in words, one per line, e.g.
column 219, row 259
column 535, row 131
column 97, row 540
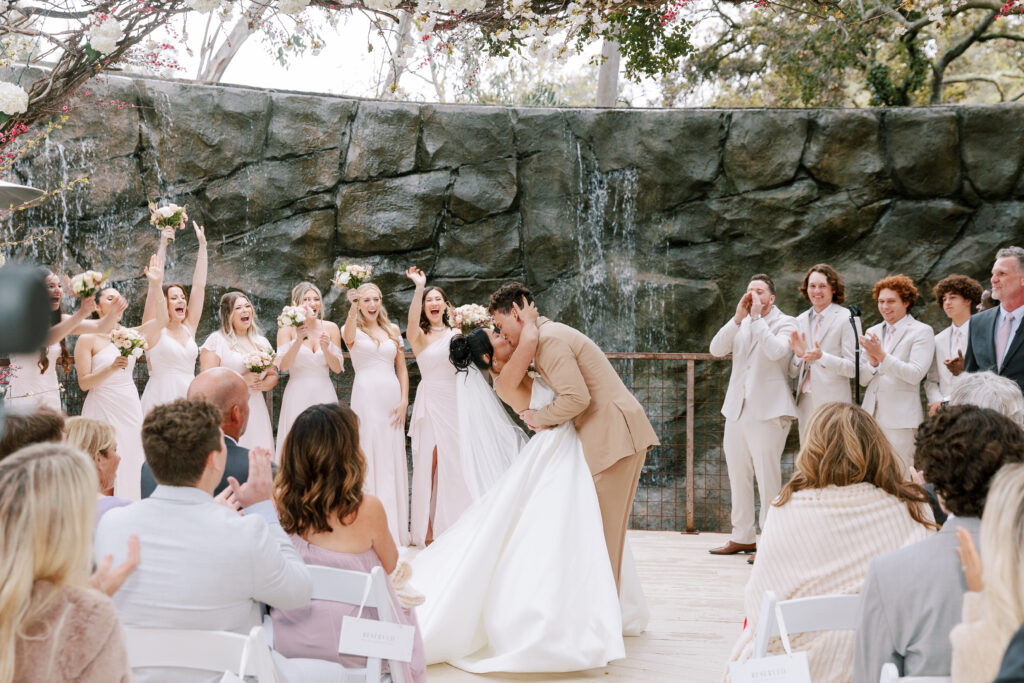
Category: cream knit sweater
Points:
column 820, row 543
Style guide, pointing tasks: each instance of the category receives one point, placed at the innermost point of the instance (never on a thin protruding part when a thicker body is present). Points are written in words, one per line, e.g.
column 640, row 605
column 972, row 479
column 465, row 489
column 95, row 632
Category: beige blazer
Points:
column 830, row 374
column 893, row 396
column 939, row 382
column 760, row 352
column 610, row 422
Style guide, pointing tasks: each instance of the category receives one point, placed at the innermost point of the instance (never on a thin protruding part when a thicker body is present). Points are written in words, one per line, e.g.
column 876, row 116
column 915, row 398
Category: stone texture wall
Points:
column 640, row 227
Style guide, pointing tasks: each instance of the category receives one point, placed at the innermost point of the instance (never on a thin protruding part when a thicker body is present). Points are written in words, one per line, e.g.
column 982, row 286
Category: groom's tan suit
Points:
column 611, row 423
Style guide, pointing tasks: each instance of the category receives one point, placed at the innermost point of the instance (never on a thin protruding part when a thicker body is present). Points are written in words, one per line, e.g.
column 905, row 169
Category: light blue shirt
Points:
column 1016, row 315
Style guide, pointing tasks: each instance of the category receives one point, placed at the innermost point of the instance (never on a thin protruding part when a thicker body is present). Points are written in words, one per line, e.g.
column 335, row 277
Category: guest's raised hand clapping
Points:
column 259, row 486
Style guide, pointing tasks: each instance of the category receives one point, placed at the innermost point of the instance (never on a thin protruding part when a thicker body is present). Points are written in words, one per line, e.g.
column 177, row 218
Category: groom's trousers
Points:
column 616, row 487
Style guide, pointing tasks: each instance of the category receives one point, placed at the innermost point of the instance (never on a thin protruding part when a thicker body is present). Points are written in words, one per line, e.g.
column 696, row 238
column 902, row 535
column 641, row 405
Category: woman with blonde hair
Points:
column 53, row 627
column 846, row 503
column 98, row 440
column 994, row 604
column 321, row 502
column 309, row 353
column 380, row 397
column 238, row 338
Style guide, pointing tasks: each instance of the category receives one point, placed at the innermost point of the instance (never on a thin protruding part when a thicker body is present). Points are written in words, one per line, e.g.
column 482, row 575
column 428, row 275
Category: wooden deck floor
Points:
column 696, row 602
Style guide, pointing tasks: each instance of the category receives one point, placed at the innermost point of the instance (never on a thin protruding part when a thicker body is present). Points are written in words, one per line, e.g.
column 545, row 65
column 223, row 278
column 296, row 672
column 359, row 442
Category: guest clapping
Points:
column 106, row 373
column 846, row 503
column 238, row 342
column 823, row 344
column 958, row 295
column 332, row 523
column 439, row 490
column 172, row 359
column 994, row 606
column 53, row 627
column 98, row 440
column 912, row 597
column 309, row 353
column 380, row 397
column 898, row 355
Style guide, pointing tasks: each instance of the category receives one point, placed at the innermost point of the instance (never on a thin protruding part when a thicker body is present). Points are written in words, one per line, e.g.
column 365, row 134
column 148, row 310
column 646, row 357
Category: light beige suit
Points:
column 610, row 422
column 830, row 375
column 939, row 382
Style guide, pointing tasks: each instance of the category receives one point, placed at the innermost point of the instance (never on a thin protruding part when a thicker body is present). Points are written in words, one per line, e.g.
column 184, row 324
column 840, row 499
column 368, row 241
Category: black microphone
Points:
column 854, row 311
column 854, row 317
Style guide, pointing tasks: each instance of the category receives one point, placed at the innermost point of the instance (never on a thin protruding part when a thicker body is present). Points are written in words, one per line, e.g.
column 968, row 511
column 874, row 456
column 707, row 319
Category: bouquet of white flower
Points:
column 468, row 317
column 128, row 342
column 292, row 316
column 352, row 276
column 170, row 216
column 87, row 283
column 259, row 361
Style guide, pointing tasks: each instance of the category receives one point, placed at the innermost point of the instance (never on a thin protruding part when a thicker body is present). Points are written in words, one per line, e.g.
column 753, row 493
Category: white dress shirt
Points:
column 948, row 344
column 202, row 566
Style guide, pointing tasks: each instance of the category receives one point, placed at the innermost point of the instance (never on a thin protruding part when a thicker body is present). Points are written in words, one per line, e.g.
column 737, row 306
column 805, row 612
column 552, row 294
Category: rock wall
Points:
column 640, row 227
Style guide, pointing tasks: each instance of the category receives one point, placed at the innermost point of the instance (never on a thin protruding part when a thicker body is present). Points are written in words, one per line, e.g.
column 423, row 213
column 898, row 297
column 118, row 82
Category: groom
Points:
column 611, row 423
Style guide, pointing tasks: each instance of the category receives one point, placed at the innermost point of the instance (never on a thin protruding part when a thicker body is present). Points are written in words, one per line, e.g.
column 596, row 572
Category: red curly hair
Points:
column 901, row 284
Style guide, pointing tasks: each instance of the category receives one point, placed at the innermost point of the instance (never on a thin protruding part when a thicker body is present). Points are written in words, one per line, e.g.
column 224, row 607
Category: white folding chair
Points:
column 217, row 651
column 890, row 674
column 341, row 585
column 805, row 615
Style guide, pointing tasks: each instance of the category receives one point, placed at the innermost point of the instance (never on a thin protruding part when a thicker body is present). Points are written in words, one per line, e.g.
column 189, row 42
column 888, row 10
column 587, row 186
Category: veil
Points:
column 488, row 438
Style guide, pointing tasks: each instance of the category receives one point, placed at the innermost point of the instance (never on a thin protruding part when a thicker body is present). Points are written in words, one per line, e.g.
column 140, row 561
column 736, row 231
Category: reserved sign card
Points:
column 372, row 638
column 782, row 669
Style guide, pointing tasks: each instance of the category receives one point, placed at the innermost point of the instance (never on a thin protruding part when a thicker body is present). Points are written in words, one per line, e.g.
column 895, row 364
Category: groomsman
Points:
column 959, row 296
column 823, row 344
column 758, row 406
column 898, row 354
column 994, row 341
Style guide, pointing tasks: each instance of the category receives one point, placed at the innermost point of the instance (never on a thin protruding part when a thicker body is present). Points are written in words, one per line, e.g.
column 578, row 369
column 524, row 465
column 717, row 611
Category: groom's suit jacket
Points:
column 610, row 422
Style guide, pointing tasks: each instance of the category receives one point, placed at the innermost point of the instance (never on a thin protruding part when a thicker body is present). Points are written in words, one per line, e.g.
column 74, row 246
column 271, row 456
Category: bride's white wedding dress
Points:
column 522, row 582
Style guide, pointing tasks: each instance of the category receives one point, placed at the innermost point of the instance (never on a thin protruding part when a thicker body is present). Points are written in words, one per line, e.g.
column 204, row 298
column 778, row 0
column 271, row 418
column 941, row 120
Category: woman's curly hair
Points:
column 960, row 449
column 320, row 479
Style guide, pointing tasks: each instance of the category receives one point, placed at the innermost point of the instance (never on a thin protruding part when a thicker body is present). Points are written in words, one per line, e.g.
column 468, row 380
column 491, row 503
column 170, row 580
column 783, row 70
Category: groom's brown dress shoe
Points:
column 732, row 547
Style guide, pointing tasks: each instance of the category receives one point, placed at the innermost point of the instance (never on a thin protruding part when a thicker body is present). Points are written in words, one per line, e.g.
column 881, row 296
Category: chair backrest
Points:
column 890, row 674
column 341, row 585
column 216, row 651
column 805, row 615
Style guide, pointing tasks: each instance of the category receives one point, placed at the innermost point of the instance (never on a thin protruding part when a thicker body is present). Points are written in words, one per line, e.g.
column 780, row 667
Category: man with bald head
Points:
column 226, row 390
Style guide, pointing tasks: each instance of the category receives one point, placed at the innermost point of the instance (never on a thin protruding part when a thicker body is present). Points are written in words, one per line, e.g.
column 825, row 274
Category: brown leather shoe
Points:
column 732, row 547
column 750, row 560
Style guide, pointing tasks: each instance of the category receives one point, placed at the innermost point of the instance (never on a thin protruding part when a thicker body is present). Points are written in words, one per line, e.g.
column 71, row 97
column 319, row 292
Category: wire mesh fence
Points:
column 684, row 485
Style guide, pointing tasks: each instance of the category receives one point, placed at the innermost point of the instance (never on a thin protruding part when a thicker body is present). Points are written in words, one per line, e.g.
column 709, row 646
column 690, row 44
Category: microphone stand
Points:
column 854, row 314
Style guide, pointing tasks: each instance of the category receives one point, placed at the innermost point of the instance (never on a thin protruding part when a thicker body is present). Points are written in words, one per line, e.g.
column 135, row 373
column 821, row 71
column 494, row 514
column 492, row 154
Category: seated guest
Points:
column 204, row 566
column 994, row 604
column 226, row 390
column 53, row 627
column 98, row 440
column 988, row 390
column 321, row 502
column 24, row 426
column 912, row 597
column 846, row 503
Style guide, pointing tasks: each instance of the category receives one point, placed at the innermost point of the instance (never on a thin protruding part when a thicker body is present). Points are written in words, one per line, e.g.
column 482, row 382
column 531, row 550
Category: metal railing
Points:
column 684, row 485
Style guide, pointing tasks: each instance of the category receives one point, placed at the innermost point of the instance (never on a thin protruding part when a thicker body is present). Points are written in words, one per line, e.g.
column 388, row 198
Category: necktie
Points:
column 955, row 349
column 890, row 338
column 815, row 324
column 1002, row 339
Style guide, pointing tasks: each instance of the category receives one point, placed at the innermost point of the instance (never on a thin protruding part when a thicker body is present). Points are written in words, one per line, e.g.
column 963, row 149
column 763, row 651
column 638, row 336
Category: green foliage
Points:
column 649, row 45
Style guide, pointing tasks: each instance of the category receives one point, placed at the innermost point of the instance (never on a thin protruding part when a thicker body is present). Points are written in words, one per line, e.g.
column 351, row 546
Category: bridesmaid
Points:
column 172, row 360
column 380, row 397
column 309, row 362
column 439, row 490
column 107, row 376
column 35, row 382
column 239, row 335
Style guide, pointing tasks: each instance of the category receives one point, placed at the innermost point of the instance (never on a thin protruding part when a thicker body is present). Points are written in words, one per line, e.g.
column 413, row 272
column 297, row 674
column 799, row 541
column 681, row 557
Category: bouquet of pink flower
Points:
column 468, row 317
column 351, row 276
column 259, row 361
column 87, row 283
column 128, row 342
column 170, row 216
column 292, row 316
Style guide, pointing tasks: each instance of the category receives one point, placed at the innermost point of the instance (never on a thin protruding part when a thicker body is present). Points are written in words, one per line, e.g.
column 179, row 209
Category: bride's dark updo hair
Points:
column 474, row 348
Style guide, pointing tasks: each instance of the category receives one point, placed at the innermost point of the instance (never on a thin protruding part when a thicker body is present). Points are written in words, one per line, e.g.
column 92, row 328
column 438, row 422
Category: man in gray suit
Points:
column 995, row 336
column 226, row 390
column 912, row 598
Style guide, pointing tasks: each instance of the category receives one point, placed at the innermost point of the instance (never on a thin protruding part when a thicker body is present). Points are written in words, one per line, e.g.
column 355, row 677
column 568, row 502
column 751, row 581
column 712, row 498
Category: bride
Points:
column 522, row 582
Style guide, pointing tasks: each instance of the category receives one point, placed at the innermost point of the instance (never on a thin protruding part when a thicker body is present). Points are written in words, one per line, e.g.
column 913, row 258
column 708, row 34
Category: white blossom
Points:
column 381, row 5
column 293, row 6
column 464, row 5
column 13, row 98
column 105, row 35
column 204, row 6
